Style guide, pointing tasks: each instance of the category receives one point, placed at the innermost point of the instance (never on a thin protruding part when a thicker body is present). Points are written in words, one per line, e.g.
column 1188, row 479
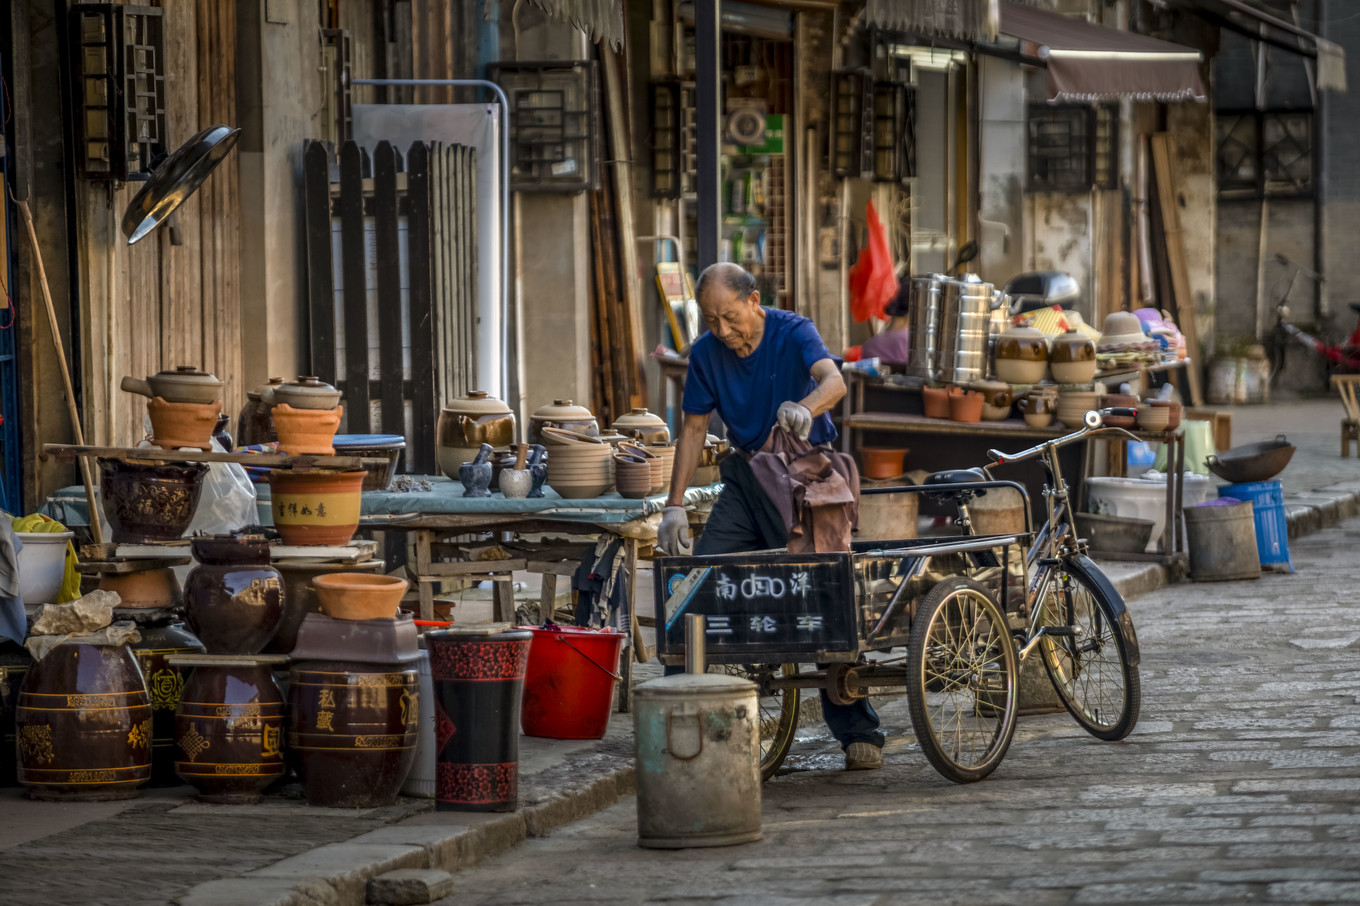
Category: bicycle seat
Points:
column 939, row 483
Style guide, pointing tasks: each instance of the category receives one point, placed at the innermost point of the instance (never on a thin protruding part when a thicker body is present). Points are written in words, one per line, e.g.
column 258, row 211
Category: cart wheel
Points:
column 778, row 710
column 962, row 682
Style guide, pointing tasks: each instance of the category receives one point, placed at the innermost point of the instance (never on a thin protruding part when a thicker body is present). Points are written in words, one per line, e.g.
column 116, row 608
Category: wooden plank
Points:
column 630, row 300
column 69, row 452
column 388, row 279
column 352, row 246
column 320, row 279
column 420, row 452
column 1183, row 306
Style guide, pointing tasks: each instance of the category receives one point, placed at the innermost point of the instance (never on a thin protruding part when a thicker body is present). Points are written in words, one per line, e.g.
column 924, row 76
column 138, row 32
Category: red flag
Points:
column 873, row 281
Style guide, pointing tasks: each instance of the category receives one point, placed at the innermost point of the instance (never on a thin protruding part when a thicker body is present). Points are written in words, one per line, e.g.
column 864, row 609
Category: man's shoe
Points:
column 863, row 756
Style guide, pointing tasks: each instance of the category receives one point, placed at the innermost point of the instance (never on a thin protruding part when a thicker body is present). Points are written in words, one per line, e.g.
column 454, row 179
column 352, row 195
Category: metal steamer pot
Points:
column 924, row 326
column 965, row 312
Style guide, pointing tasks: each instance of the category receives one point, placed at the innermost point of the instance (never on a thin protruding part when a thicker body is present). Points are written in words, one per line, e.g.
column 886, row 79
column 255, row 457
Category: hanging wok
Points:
column 176, row 178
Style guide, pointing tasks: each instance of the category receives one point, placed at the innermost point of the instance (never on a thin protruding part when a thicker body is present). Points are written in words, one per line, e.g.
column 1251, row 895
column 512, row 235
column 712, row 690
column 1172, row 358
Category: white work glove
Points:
column 672, row 537
column 795, row 419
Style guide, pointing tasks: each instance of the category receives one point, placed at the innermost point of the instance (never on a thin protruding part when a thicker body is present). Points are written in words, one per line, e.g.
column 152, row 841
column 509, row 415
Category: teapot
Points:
column 185, row 384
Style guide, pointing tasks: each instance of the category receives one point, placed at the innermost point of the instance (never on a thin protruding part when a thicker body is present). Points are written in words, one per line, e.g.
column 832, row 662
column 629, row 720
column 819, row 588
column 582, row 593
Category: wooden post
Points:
column 1184, row 306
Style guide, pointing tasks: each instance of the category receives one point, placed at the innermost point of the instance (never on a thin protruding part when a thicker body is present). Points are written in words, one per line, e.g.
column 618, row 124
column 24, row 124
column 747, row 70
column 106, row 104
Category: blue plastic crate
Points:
column 1272, row 528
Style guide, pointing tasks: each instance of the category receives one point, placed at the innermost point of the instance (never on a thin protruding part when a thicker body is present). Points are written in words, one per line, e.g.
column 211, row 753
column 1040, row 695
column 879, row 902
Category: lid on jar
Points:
column 638, row 418
column 477, row 402
column 563, row 409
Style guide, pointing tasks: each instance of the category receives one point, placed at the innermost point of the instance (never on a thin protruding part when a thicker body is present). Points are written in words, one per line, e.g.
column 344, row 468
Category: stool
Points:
column 1350, row 425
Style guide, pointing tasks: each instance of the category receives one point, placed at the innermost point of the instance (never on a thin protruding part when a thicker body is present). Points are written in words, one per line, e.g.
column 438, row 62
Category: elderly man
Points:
column 757, row 368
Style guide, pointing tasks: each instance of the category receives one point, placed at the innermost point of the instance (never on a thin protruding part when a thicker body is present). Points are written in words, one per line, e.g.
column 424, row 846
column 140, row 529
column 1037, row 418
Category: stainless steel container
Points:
column 924, row 360
column 965, row 310
column 698, row 761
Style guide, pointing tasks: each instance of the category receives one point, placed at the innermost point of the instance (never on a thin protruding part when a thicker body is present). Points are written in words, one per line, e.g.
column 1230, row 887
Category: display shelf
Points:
column 67, row 453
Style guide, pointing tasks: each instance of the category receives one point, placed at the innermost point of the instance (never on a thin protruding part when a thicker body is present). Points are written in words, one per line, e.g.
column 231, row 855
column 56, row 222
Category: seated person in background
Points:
column 891, row 344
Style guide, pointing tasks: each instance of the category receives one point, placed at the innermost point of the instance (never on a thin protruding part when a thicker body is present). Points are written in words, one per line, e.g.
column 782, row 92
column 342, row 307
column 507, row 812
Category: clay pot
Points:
column 662, row 466
column 315, row 507
column 1021, row 355
column 354, row 716
column 306, row 431
column 1114, row 400
column 642, row 425
column 1038, row 410
column 149, row 501
column 162, row 637
column 1173, row 409
column 152, row 588
column 935, row 401
column 580, row 471
column 632, row 477
column 562, row 414
column 356, row 596
column 234, row 597
column 468, row 422
column 15, row 662
column 177, row 425
column 255, row 424
column 185, row 384
column 1073, row 406
column 388, row 445
column 882, row 462
column 307, row 392
column 229, row 726
column 965, row 406
column 996, row 399
column 1072, row 358
column 83, row 723
column 299, row 597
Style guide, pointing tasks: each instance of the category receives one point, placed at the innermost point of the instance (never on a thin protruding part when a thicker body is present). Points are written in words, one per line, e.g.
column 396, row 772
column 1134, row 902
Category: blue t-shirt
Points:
column 747, row 392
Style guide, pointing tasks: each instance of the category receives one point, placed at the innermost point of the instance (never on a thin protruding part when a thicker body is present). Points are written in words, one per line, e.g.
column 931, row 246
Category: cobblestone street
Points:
column 1240, row 784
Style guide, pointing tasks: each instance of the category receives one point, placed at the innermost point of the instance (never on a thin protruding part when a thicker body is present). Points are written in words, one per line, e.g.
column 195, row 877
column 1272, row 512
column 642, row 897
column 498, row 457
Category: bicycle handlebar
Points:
column 1093, row 423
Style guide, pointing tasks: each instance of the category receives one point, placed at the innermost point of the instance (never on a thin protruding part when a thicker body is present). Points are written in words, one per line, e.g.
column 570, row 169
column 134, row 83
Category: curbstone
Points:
column 440, row 842
column 407, row 886
column 345, row 867
column 257, row 892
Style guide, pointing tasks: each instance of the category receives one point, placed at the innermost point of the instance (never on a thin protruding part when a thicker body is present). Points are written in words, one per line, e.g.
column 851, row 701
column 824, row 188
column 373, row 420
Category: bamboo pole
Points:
column 95, row 530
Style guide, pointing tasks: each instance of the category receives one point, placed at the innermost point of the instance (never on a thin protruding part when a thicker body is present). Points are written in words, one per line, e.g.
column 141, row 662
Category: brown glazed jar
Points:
column 1072, row 358
column 15, row 662
column 162, row 637
column 1021, row 355
column 353, row 717
column 234, row 597
column 466, row 423
column 255, row 424
column 229, row 726
column 83, row 723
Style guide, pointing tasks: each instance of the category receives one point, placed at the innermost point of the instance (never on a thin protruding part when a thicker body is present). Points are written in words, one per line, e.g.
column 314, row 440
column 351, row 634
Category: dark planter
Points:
column 149, row 501
column 234, row 597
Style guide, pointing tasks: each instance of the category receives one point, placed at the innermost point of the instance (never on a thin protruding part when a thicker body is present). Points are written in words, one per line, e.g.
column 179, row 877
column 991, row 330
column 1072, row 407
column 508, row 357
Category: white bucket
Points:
column 42, row 563
column 420, row 782
column 1143, row 498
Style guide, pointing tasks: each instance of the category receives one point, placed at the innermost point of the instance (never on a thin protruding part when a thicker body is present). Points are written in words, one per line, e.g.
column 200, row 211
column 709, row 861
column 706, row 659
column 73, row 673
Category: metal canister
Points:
column 698, row 761
column 924, row 360
column 965, row 309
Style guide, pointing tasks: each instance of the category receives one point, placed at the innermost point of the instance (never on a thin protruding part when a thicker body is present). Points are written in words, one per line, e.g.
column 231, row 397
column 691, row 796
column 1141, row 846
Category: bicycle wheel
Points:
column 1090, row 669
column 961, row 680
column 778, row 710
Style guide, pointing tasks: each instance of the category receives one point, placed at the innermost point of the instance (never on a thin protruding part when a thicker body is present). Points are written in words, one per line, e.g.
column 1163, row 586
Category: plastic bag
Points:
column 873, row 281
column 227, row 503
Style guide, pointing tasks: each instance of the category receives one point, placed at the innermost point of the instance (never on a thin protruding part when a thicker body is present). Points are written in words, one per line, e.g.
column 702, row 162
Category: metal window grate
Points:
column 1059, row 148
column 1264, row 153
column 554, row 125
column 852, row 127
column 667, row 139
column 894, row 132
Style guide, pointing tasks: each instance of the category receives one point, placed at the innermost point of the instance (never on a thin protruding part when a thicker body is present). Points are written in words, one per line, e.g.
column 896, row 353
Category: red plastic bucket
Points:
column 569, row 684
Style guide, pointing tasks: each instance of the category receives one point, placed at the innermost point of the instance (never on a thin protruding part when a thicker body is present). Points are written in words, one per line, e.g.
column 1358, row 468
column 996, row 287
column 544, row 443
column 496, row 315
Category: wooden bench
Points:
column 1350, row 425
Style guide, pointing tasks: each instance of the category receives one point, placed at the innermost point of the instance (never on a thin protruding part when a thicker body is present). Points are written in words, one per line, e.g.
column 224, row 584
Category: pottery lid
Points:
column 307, row 383
column 187, row 374
column 563, row 410
column 1023, row 331
column 638, row 418
column 477, row 402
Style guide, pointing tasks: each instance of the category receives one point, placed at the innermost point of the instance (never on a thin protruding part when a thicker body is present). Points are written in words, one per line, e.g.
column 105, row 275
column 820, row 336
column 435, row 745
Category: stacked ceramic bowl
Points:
column 1157, row 416
column 632, row 475
column 578, row 469
column 1074, row 404
column 661, row 466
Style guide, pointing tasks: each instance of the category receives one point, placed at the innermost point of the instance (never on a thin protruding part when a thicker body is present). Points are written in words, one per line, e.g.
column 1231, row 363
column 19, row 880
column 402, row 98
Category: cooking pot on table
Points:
column 307, row 392
column 185, row 384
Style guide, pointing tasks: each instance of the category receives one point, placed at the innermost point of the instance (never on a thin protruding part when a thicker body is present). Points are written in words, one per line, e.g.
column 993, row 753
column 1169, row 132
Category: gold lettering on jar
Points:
column 269, row 748
column 140, row 734
column 91, row 776
column 35, row 743
column 165, row 687
column 235, row 769
column 378, row 742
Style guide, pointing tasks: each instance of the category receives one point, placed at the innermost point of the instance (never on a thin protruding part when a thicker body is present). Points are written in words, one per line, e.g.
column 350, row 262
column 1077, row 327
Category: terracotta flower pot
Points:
column 359, row 596
column 175, row 425
column 936, row 400
column 882, row 462
column 306, row 431
column 965, row 406
column 316, row 507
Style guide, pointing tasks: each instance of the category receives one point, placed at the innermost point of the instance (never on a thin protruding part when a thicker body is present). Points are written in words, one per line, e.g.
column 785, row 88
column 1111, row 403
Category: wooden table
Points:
column 1347, row 385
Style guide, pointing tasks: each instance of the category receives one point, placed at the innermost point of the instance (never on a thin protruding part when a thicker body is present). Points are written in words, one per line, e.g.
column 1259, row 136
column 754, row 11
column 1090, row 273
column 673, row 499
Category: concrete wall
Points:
column 1340, row 188
column 1001, row 170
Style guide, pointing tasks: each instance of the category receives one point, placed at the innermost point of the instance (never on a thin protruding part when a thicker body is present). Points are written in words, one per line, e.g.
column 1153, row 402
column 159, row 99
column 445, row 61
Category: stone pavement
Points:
column 1239, row 784
column 163, row 847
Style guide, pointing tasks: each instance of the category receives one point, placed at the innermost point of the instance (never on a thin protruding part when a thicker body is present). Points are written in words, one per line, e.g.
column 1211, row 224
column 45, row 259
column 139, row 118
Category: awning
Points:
column 1260, row 25
column 970, row 20
column 602, row 20
column 1089, row 62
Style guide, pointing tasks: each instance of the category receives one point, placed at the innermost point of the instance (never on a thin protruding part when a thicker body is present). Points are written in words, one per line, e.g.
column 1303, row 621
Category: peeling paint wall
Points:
column 1060, row 238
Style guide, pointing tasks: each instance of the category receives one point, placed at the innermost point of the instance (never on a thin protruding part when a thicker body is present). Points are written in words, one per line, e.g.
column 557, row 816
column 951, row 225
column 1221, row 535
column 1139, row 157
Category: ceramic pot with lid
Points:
column 468, row 422
column 307, row 392
column 644, row 426
column 996, row 399
column 562, row 414
column 1072, row 358
column 1021, row 355
column 186, row 384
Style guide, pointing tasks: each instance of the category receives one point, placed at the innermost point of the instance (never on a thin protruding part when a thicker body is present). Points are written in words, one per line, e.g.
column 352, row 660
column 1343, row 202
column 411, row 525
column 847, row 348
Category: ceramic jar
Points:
column 468, row 422
column 562, row 414
column 353, row 696
column 1039, row 409
column 299, row 597
column 178, row 425
column 149, row 501
column 149, row 589
column 162, row 637
column 14, row 664
column 229, row 726
column 1072, row 358
column 307, row 392
column 83, row 724
column 1021, row 355
column 996, row 399
column 643, row 426
column 234, row 597
column 255, row 424
column 315, row 507
column 185, row 384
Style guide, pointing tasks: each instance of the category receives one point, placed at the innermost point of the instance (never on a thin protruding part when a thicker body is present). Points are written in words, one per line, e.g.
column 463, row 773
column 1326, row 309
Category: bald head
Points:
column 731, row 278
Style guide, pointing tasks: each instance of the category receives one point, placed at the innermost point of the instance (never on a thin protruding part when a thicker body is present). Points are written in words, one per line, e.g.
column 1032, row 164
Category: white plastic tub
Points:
column 1143, row 498
column 42, row 562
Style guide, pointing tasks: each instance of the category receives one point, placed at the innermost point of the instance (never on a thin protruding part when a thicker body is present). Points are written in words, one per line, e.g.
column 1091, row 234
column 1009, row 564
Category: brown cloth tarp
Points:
column 815, row 490
column 1088, row 62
